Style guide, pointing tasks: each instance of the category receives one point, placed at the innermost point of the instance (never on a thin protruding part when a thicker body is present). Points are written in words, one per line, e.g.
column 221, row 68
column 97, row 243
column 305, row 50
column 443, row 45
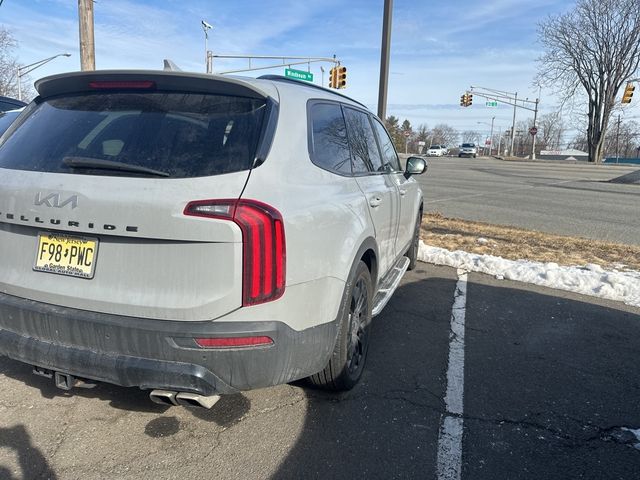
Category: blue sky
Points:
column 439, row 48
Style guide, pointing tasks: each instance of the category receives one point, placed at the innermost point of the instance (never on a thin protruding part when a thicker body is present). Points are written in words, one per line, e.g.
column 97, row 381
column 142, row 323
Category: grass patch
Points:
column 517, row 243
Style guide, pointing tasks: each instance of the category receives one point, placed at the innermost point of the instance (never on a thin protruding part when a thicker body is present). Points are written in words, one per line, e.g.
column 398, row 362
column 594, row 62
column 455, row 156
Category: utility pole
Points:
column 491, row 136
column 384, row 60
column 87, row 45
column 618, row 140
column 208, row 61
column 533, row 140
column 513, row 125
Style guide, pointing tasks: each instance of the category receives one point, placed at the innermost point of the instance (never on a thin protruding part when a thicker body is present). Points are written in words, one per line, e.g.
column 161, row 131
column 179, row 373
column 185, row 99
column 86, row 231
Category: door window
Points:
column 364, row 149
column 389, row 155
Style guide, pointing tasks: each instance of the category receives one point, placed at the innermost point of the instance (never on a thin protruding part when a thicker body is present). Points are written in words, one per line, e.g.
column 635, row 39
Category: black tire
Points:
column 412, row 253
column 474, row 155
column 349, row 355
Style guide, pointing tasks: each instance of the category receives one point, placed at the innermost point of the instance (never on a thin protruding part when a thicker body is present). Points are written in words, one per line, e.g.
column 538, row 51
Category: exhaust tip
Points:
column 163, row 397
column 187, row 399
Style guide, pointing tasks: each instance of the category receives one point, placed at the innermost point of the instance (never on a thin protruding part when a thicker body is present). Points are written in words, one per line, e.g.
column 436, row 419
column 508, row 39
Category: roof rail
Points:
column 280, row 78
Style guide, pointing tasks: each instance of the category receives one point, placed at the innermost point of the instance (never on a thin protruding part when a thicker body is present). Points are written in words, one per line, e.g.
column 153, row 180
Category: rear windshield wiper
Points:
column 100, row 164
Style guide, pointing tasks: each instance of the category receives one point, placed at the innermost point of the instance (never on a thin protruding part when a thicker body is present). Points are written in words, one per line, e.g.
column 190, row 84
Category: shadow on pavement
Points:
column 32, row 462
column 228, row 411
column 386, row 427
column 549, row 381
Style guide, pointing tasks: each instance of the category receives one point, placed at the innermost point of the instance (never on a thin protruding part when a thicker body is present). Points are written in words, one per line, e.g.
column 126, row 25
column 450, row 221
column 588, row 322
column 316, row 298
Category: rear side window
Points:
column 176, row 135
column 366, row 157
column 389, row 155
column 329, row 146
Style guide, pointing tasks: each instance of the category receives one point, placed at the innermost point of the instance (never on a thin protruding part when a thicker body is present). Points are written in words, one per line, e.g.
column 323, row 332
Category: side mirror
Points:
column 415, row 166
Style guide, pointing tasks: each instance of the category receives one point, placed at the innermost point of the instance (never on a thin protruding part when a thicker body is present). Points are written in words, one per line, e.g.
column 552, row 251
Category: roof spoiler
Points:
column 154, row 80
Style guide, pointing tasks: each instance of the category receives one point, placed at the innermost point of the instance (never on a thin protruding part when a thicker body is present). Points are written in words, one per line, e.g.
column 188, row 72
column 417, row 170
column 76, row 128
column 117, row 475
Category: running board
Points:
column 389, row 284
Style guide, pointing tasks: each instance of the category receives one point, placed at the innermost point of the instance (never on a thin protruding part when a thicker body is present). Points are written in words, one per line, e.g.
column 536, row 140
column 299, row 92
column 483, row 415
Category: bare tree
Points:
column 423, row 133
column 595, row 47
column 579, row 142
column 443, row 134
column 550, row 130
column 8, row 64
column 470, row 136
column 622, row 140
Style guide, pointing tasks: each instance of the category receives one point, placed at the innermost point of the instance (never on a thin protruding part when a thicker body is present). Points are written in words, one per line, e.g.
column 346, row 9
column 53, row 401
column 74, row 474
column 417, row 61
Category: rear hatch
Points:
column 94, row 182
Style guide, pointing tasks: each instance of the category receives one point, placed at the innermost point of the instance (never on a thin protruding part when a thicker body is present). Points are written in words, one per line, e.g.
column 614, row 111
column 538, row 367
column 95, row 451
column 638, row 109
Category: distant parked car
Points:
column 468, row 150
column 7, row 103
column 7, row 118
column 435, row 151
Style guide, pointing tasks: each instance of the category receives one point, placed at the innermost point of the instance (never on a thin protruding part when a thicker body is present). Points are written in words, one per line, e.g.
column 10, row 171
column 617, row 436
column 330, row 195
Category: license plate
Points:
column 66, row 255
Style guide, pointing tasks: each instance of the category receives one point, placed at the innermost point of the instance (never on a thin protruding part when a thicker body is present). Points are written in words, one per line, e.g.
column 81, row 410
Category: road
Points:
column 550, row 380
column 567, row 199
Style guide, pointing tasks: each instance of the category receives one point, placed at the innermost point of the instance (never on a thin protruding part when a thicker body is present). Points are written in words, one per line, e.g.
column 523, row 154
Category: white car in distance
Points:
column 436, row 151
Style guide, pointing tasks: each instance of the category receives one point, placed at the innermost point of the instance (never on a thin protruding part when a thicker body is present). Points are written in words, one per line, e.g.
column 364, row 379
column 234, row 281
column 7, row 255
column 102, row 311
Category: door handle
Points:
column 375, row 201
column 403, row 192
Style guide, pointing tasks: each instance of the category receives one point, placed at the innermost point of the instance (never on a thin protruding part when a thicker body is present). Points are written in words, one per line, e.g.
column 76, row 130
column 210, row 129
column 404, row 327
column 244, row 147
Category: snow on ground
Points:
column 588, row 280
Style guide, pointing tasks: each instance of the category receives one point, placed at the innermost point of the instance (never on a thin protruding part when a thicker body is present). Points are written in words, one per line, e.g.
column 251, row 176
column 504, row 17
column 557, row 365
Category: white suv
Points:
column 198, row 235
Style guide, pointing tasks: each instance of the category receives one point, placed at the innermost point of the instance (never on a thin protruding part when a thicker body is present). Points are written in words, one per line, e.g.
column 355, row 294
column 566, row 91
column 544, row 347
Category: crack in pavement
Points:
column 609, row 434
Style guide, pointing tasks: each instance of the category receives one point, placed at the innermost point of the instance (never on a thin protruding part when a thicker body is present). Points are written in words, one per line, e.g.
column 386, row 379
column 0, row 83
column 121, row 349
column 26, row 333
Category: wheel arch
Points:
column 368, row 253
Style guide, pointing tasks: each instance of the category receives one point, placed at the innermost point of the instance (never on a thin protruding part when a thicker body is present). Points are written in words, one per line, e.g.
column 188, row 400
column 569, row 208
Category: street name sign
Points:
column 491, row 104
column 298, row 74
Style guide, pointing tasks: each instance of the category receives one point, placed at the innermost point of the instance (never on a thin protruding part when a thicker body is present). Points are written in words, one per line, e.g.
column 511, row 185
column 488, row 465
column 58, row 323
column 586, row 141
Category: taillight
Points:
column 263, row 244
column 123, row 84
column 233, row 342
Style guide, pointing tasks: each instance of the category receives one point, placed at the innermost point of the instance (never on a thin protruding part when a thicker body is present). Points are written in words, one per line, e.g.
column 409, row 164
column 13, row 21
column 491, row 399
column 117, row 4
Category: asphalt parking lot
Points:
column 550, row 383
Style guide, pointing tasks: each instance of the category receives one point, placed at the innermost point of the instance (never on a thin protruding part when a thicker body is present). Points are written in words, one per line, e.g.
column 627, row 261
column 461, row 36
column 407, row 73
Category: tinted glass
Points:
column 6, row 119
column 329, row 145
column 364, row 149
column 389, row 156
column 468, row 145
column 6, row 105
column 180, row 134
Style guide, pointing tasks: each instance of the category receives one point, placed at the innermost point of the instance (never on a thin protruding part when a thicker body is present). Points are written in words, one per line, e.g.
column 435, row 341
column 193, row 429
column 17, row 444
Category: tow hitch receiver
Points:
column 64, row 381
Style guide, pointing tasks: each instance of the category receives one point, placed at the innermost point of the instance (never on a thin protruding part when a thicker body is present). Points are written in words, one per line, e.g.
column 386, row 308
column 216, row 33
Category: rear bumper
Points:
column 150, row 354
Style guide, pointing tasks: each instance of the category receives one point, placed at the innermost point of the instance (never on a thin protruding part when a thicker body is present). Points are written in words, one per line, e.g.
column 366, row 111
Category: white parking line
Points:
column 449, row 463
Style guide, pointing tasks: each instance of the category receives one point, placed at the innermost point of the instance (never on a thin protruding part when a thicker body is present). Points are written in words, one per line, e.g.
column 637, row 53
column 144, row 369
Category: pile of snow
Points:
column 588, row 280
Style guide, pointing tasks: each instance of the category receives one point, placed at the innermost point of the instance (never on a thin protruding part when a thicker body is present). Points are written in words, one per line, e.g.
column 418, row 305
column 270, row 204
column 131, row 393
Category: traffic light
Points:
column 628, row 93
column 341, row 77
column 466, row 99
column 338, row 77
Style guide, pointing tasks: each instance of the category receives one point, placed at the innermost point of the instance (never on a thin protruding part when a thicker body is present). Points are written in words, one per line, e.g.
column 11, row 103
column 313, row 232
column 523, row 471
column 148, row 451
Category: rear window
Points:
column 468, row 145
column 175, row 135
